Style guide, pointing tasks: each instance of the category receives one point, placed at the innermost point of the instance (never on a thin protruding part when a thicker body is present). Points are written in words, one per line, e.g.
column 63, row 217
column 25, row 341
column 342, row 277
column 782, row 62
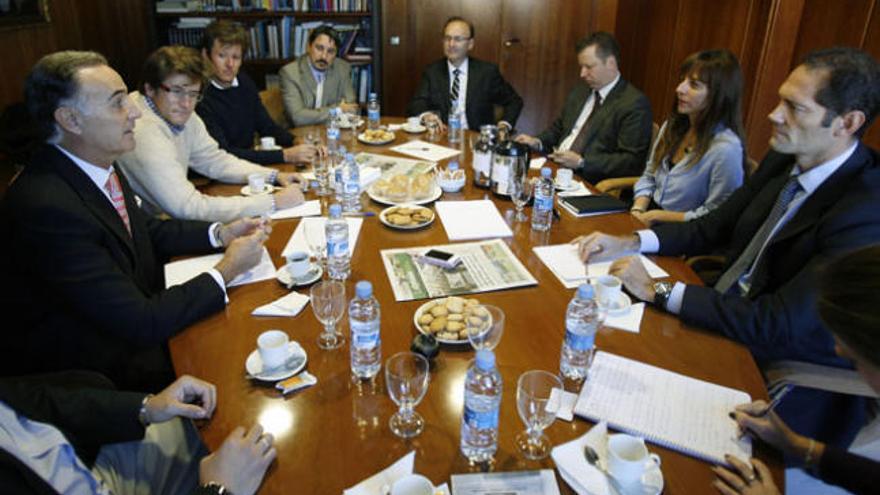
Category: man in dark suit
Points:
column 73, row 432
column 474, row 85
column 814, row 197
column 82, row 265
column 605, row 127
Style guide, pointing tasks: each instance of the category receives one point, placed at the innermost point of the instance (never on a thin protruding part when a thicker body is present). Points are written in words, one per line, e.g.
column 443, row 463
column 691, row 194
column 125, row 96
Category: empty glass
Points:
column 533, row 393
column 520, row 189
column 314, row 234
column 322, row 175
column 328, row 303
column 433, row 129
column 406, row 376
column 485, row 326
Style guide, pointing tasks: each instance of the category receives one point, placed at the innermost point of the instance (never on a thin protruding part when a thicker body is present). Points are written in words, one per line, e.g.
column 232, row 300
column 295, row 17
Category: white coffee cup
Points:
column 256, row 183
column 564, row 176
column 298, row 264
column 413, row 122
column 628, row 458
column 412, row 484
column 267, row 143
column 608, row 288
column 272, row 345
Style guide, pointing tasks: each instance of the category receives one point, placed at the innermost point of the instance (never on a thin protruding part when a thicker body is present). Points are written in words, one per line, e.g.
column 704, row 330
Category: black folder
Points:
column 583, row 206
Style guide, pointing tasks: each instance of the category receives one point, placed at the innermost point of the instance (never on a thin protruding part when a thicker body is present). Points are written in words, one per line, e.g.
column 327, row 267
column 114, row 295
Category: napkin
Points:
column 536, row 163
column 307, row 209
column 289, row 305
column 581, row 476
column 564, row 402
column 629, row 320
column 581, row 190
column 373, row 485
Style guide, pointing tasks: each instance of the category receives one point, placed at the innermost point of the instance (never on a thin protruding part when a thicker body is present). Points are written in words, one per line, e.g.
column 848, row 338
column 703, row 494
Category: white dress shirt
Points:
column 566, row 143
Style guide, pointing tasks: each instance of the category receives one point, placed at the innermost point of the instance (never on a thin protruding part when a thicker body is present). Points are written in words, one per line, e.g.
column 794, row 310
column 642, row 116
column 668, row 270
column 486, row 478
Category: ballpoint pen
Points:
column 776, row 400
column 359, row 214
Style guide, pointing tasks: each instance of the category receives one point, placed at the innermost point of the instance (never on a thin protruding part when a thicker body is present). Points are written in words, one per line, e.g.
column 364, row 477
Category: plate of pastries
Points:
column 402, row 189
column 407, row 217
column 449, row 319
column 376, row 136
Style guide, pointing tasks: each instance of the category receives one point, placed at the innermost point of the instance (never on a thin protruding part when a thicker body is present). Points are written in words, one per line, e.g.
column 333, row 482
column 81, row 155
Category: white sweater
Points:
column 157, row 170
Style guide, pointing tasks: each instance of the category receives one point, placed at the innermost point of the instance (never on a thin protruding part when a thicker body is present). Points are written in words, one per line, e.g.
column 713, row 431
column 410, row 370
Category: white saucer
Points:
column 296, row 361
column 312, row 275
column 651, row 483
column 620, row 305
column 246, row 190
column 414, row 130
column 570, row 187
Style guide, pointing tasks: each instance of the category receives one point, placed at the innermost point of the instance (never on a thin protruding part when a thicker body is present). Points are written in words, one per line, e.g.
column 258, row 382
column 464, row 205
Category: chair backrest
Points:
column 274, row 103
column 655, row 129
column 751, row 166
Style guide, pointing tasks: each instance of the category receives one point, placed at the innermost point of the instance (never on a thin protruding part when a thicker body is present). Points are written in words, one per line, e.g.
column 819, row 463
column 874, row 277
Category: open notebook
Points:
column 666, row 408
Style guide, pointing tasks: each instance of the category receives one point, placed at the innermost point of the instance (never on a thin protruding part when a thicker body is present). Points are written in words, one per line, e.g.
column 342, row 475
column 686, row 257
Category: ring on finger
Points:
column 751, row 478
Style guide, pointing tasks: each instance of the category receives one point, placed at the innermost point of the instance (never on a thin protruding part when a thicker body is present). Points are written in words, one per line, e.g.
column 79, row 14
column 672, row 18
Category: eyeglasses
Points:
column 456, row 39
column 181, row 93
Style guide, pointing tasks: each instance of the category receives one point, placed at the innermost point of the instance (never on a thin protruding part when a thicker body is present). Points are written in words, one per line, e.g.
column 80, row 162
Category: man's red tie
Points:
column 115, row 190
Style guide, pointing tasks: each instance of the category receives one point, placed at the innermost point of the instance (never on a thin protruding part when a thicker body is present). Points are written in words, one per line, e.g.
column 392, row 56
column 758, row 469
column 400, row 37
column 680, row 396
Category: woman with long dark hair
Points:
column 698, row 157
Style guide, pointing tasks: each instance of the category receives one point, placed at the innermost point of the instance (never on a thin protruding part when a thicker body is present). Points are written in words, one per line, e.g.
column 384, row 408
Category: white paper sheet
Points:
column 466, row 220
column 629, row 320
column 563, row 261
column 297, row 241
column 307, row 209
column 581, row 190
column 536, row 163
column 425, row 151
column 374, row 484
column 178, row 272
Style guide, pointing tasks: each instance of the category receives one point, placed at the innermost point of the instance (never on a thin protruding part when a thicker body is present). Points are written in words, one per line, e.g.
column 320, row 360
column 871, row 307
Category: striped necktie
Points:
column 456, row 86
column 114, row 188
column 580, row 141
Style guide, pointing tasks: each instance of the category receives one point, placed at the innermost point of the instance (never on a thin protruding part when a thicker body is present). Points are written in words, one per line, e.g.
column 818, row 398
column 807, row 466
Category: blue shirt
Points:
column 697, row 188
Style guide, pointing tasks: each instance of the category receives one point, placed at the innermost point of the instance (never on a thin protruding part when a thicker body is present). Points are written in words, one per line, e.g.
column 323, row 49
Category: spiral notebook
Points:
column 676, row 411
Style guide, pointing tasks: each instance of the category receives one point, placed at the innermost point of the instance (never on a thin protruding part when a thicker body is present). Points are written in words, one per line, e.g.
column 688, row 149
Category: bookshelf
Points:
column 279, row 32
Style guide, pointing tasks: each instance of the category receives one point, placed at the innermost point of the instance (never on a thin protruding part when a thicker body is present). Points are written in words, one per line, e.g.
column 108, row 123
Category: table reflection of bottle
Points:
column 366, row 406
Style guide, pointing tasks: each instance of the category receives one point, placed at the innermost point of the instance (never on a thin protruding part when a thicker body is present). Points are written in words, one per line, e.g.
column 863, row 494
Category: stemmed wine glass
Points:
column 485, row 326
column 406, row 376
column 314, row 234
column 328, row 303
column 533, row 402
column 520, row 192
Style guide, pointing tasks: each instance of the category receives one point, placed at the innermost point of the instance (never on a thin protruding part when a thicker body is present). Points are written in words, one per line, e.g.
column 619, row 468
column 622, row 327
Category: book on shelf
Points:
column 317, row 6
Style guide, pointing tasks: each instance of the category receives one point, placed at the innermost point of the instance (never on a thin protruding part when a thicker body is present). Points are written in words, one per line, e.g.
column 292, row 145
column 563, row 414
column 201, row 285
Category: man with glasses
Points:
column 171, row 140
column 232, row 110
column 473, row 85
column 314, row 84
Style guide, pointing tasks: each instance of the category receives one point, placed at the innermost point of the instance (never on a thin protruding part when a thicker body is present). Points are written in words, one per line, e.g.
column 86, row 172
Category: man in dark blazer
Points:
column 610, row 139
column 813, row 198
column 119, row 439
column 82, row 265
column 480, row 85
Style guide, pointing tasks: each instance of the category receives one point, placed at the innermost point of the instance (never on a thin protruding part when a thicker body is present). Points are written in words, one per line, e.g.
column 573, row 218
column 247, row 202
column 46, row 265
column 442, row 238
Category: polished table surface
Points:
column 335, row 434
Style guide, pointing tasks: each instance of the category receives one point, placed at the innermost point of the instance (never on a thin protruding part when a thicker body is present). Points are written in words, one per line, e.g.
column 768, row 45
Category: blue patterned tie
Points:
column 749, row 257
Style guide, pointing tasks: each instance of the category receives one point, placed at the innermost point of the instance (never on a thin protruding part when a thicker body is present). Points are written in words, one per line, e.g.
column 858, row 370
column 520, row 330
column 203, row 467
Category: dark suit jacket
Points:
column 778, row 318
column 78, row 291
column 619, row 136
column 485, row 88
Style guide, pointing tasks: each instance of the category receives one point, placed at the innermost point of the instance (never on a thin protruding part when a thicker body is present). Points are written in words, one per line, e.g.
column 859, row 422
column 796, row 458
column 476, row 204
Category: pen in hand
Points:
column 776, row 400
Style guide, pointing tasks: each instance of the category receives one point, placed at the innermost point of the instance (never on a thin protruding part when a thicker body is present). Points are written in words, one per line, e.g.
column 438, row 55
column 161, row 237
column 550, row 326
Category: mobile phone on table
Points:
column 440, row 258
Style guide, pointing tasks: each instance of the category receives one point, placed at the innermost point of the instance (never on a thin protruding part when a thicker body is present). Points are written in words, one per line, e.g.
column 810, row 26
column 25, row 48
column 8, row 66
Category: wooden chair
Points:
column 274, row 103
column 615, row 186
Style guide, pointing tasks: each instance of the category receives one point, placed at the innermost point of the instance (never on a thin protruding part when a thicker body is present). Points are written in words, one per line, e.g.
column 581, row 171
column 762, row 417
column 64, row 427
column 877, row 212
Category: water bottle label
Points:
column 543, row 202
column 332, row 133
column 578, row 341
column 352, row 187
column 454, row 122
column 373, row 114
column 364, row 335
column 482, row 162
column 481, row 419
column 337, row 248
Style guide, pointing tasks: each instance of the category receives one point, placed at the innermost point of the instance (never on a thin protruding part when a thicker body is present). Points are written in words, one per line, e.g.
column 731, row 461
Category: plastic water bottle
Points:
column 336, row 233
column 455, row 123
column 542, row 212
column 366, row 345
column 336, row 160
column 333, row 131
column 351, row 184
column 582, row 320
column 482, row 401
column 373, row 112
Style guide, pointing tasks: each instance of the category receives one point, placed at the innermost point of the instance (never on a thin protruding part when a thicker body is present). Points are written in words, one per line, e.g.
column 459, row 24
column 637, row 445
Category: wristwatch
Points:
column 662, row 290
column 213, row 488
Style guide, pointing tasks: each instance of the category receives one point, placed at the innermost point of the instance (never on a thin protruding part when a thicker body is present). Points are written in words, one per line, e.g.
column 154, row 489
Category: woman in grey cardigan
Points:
column 698, row 158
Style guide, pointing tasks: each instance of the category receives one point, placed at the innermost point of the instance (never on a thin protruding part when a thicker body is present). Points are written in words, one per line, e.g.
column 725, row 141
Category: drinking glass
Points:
column 353, row 115
column 314, row 234
column 520, row 192
column 485, row 326
column 406, row 376
column 328, row 303
column 322, row 175
column 533, row 393
column 313, row 137
column 433, row 129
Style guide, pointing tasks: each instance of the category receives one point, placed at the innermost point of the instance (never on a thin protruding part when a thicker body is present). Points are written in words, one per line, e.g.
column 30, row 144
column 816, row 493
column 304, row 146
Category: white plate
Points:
column 246, row 190
column 375, row 143
column 360, row 122
column 296, row 361
column 385, row 201
column 414, row 130
column 311, row 276
column 570, row 187
column 384, row 219
column 418, row 314
column 620, row 306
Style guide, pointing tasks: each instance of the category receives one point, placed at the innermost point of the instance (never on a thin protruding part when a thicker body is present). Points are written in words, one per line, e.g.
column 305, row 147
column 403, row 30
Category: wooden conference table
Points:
column 335, row 434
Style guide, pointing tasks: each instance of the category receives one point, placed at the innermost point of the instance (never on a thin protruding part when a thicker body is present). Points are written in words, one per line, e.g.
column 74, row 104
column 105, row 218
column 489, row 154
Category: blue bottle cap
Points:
column 453, row 165
column 546, row 172
column 349, row 156
column 485, row 359
column 342, row 149
column 363, row 289
column 335, row 210
column 372, row 95
column 585, row 291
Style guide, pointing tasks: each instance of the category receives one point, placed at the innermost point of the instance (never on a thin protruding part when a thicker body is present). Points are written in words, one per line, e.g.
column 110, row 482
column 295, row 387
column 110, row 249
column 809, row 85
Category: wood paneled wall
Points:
column 120, row 29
